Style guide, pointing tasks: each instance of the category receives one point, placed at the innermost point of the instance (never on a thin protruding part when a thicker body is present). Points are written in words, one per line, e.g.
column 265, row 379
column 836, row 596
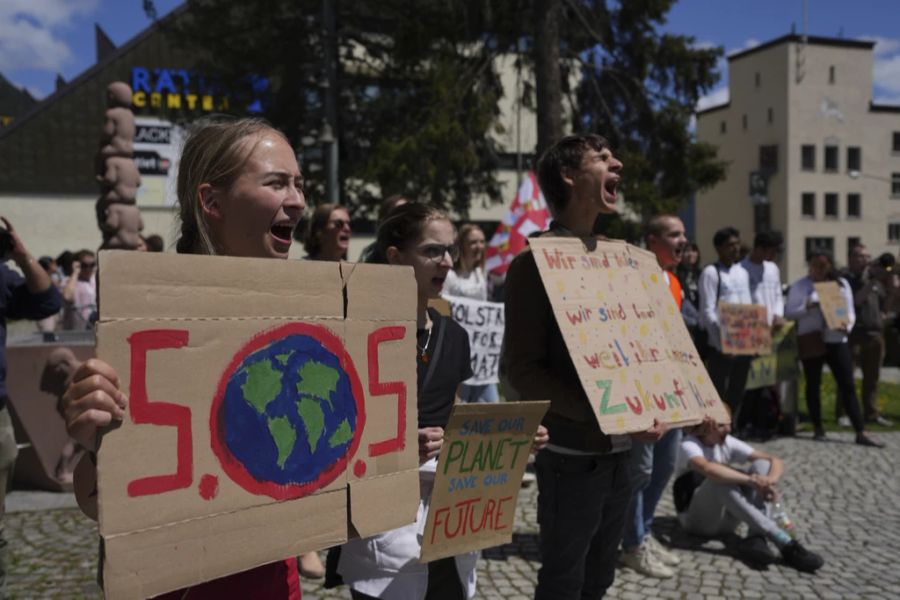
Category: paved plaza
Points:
column 844, row 500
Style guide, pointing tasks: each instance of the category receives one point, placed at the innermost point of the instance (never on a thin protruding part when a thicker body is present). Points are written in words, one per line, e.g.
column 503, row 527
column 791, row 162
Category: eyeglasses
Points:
column 338, row 223
column 88, row 265
column 435, row 252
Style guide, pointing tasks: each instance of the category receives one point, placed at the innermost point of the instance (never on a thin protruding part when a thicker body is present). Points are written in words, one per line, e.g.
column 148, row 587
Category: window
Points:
column 823, row 244
column 744, row 122
column 770, row 115
column 722, row 127
column 854, row 158
column 854, row 206
column 808, row 157
column 768, row 158
column 808, row 207
column 831, row 205
column 831, row 74
column 897, row 141
column 894, row 232
column 852, row 242
column 757, row 79
column 831, row 158
column 895, row 185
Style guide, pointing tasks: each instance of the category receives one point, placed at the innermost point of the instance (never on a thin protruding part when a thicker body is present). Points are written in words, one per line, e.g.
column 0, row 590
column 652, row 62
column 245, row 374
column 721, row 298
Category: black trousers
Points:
column 840, row 361
column 728, row 373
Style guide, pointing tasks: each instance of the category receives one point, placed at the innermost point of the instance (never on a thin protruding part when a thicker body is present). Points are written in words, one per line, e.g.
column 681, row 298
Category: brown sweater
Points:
column 536, row 362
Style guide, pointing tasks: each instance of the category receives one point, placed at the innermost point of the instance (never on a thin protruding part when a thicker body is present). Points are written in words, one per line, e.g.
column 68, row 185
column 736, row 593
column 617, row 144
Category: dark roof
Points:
column 888, row 108
column 14, row 101
column 714, row 108
column 810, row 39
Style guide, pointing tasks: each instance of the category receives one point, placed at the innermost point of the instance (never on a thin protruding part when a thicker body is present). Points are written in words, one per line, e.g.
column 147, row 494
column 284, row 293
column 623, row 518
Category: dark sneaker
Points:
column 819, row 435
column 800, row 558
column 755, row 550
column 864, row 440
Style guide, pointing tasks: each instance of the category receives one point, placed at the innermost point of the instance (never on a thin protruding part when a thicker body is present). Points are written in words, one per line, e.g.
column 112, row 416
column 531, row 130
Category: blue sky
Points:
column 40, row 38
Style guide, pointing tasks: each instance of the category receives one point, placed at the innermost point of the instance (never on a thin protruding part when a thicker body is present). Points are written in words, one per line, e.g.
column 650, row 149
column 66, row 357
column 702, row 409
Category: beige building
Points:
column 801, row 117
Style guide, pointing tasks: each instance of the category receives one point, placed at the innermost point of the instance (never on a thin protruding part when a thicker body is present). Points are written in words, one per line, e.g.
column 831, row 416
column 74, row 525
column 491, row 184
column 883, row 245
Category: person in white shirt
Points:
column 466, row 280
column 765, row 289
column 712, row 497
column 725, row 281
column 819, row 344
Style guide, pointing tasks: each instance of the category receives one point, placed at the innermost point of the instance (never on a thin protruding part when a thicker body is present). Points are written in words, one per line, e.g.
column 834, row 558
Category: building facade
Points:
column 810, row 154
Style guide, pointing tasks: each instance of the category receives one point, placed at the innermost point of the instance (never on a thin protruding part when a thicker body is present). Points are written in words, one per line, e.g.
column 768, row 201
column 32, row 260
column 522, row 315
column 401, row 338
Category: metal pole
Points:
column 331, row 132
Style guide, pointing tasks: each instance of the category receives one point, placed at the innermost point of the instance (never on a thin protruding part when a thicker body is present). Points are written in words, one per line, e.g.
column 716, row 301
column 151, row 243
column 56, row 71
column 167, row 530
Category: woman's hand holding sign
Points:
column 430, row 441
column 92, row 400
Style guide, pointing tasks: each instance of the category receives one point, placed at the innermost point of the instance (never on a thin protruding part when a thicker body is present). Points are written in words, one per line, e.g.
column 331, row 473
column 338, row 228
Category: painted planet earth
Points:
column 287, row 412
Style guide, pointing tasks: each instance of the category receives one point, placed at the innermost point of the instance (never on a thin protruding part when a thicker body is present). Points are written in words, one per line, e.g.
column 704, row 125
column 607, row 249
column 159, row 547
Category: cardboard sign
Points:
column 479, row 475
column 833, row 304
column 634, row 356
column 744, row 329
column 272, row 411
column 780, row 364
column 483, row 321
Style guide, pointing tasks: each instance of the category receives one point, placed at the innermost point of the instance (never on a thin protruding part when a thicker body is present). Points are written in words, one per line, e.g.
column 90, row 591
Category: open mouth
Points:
column 282, row 232
column 344, row 239
column 438, row 281
column 609, row 189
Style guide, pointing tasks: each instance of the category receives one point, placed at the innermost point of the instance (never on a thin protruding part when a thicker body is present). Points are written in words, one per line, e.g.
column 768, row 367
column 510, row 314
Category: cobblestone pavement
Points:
column 843, row 498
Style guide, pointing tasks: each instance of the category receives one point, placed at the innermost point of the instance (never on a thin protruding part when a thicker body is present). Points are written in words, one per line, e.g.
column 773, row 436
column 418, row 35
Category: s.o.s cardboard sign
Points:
column 272, row 411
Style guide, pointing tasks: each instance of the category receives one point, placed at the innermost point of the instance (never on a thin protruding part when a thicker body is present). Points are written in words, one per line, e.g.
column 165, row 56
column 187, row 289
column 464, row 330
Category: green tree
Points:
column 419, row 92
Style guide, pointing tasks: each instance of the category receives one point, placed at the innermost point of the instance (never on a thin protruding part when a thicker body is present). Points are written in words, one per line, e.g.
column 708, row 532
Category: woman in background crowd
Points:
column 819, row 345
column 688, row 273
column 327, row 238
column 328, row 235
column 467, row 280
column 241, row 194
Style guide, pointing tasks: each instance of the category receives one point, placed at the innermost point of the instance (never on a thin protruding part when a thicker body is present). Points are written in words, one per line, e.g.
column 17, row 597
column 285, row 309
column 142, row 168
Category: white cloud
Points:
column 47, row 13
column 715, row 98
column 29, row 32
column 887, row 66
column 24, row 46
column 883, row 45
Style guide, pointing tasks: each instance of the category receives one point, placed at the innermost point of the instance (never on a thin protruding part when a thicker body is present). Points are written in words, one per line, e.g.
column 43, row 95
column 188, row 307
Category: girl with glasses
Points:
column 386, row 565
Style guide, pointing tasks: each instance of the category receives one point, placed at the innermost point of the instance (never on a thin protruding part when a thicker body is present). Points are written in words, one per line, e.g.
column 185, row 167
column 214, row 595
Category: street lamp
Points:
column 854, row 174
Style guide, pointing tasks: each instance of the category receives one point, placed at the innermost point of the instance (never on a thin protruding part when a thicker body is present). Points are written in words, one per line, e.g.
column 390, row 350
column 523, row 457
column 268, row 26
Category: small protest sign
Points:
column 744, row 329
column 780, row 364
column 271, row 412
column 483, row 321
column 479, row 474
column 833, row 303
column 633, row 354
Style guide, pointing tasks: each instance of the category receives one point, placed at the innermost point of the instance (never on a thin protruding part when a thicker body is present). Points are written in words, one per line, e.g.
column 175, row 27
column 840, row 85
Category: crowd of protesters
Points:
column 597, row 492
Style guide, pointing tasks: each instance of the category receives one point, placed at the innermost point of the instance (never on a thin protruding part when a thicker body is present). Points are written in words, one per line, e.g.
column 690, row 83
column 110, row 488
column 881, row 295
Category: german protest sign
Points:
column 633, row 354
column 483, row 321
column 479, row 474
column 744, row 329
column 780, row 364
column 833, row 304
column 271, row 412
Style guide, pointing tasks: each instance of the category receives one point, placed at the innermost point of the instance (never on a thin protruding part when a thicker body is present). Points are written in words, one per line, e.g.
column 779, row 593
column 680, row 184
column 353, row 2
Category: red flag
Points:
column 527, row 214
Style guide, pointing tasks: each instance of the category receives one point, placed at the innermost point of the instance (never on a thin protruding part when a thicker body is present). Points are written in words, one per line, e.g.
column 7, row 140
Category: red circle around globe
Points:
column 233, row 468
